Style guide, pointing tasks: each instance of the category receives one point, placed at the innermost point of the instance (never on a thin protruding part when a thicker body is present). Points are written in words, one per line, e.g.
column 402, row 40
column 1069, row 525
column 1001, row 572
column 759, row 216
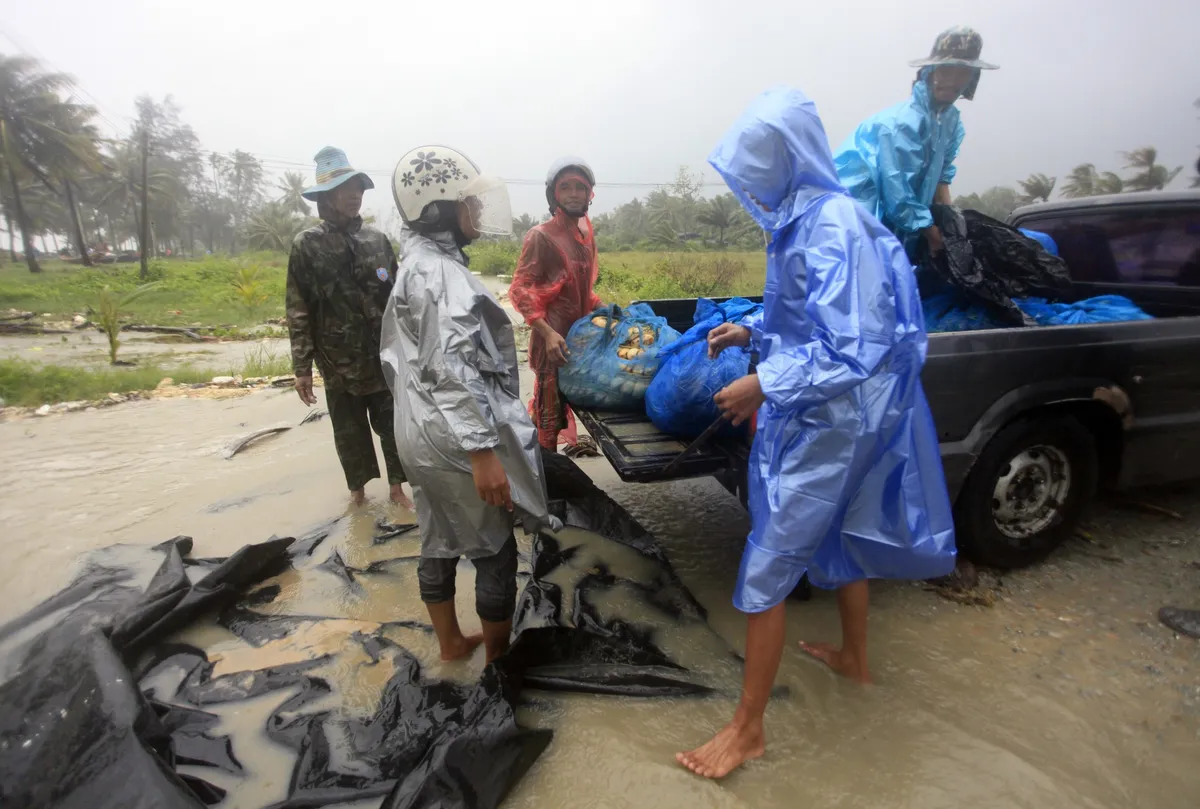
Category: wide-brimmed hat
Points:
column 956, row 46
column 333, row 169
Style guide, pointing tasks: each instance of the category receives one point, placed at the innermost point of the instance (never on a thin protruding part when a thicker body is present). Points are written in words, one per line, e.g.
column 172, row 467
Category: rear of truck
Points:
column 1032, row 421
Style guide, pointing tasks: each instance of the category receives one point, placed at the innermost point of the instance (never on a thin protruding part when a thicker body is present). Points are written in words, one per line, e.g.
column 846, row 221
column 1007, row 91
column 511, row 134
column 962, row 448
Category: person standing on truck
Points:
column 900, row 161
column 845, row 481
column 338, row 279
column 554, row 286
column 450, row 358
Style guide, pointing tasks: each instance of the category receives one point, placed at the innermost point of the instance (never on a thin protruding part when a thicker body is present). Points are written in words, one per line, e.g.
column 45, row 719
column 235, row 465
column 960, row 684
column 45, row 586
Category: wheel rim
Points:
column 1030, row 492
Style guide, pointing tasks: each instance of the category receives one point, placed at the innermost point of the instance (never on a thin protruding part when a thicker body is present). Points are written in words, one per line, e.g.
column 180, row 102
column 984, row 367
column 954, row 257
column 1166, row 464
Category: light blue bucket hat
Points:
column 333, row 169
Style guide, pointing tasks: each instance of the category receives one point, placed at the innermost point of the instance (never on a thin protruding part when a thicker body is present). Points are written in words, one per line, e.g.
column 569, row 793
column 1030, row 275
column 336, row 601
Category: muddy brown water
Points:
column 1067, row 693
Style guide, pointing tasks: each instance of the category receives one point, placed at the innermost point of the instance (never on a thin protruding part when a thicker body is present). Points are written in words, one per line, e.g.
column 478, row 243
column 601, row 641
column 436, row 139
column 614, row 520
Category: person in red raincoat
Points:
column 554, row 286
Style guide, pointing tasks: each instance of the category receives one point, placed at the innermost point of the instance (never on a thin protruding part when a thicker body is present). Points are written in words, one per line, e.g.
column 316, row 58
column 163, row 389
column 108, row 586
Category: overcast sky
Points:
column 637, row 88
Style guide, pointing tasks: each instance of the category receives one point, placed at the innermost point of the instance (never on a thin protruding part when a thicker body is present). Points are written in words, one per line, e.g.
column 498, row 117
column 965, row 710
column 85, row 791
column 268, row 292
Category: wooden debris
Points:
column 241, row 443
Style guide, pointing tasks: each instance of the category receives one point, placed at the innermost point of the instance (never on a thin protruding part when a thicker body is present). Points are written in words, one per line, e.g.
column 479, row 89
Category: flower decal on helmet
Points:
column 425, row 161
column 407, row 179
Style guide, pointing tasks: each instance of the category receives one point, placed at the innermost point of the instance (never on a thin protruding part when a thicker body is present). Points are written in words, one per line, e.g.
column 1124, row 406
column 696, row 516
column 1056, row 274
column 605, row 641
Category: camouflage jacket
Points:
column 338, row 282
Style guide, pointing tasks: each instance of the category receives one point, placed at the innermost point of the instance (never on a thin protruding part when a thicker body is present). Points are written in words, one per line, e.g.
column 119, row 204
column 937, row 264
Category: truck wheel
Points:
column 1026, row 492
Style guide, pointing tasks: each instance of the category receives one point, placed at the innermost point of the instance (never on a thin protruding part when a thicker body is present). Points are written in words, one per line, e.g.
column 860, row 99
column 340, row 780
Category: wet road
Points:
column 1067, row 693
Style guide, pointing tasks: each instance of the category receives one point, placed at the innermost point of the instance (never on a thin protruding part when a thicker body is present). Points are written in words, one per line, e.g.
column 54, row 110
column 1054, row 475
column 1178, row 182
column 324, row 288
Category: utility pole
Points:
column 145, row 251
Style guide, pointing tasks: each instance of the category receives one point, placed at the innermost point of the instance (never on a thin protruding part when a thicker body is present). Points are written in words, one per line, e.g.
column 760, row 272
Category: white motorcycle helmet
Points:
column 431, row 174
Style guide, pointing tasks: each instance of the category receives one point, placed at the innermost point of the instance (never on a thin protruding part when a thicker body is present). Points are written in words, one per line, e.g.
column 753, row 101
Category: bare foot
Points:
column 358, row 497
column 461, row 648
column 399, row 497
column 725, row 752
column 844, row 664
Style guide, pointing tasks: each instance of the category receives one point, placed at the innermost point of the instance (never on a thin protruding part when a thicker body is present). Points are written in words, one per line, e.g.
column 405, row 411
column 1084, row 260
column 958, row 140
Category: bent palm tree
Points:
column 1109, row 183
column 34, row 133
column 1037, row 187
column 1150, row 176
column 1081, row 182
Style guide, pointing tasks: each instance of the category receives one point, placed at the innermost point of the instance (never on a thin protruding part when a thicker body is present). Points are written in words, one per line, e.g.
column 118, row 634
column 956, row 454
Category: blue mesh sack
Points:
column 615, row 353
column 680, row 397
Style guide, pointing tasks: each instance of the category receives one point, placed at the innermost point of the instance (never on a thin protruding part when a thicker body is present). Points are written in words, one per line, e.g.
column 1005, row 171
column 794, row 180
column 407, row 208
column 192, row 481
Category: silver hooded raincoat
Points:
column 450, row 360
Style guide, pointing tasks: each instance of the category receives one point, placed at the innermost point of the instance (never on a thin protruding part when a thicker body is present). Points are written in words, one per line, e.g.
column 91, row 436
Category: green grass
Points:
column 189, row 292
column 25, row 384
column 630, row 276
column 263, row 361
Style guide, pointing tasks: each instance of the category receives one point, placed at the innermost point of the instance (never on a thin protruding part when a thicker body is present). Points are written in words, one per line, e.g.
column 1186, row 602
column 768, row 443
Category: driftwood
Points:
column 186, row 332
column 28, row 328
column 239, row 444
column 18, row 316
column 314, row 415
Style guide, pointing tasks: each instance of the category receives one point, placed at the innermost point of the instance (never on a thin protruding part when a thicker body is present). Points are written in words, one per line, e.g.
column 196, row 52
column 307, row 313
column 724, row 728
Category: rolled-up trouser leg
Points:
column 379, row 407
column 496, row 583
column 435, row 579
column 352, row 437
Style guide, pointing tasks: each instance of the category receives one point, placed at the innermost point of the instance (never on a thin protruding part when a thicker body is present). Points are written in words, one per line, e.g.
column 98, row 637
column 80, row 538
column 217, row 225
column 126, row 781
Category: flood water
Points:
column 1066, row 694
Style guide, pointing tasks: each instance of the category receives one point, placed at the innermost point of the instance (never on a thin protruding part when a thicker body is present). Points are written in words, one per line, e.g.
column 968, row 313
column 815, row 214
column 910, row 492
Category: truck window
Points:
column 1155, row 247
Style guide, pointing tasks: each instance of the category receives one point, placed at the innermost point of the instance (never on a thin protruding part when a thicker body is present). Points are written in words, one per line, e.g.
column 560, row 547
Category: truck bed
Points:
column 968, row 378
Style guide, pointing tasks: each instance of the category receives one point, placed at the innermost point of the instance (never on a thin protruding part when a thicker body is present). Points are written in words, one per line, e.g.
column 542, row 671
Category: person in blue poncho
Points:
column 845, row 480
column 900, row 161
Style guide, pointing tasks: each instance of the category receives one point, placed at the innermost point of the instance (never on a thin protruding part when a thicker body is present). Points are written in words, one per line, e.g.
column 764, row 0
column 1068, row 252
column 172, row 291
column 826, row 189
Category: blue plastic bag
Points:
column 1100, row 309
column 956, row 312
column 614, row 355
column 679, row 400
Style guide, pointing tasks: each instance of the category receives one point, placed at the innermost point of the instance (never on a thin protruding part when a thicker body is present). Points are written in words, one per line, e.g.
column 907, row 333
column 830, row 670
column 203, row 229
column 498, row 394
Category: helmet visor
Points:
column 486, row 197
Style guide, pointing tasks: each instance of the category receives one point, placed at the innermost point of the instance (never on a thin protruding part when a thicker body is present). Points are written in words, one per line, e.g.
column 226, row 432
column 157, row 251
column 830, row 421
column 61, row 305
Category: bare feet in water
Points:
column 731, row 748
column 844, row 663
column 399, row 497
column 460, row 648
column 358, row 497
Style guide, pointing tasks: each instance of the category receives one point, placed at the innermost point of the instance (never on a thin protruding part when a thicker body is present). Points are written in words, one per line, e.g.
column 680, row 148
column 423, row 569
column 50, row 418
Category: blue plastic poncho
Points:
column 845, row 477
column 892, row 163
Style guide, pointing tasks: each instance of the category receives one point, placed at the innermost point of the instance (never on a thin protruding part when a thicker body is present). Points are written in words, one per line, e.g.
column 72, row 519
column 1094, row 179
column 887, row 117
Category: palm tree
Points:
column 292, row 187
column 1109, row 183
column 1037, row 187
column 273, row 227
column 721, row 215
column 121, row 186
column 71, row 160
column 1081, row 182
column 522, row 225
column 1150, row 175
column 36, row 133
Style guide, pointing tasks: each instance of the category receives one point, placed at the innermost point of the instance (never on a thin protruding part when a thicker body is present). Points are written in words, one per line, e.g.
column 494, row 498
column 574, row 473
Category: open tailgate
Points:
column 640, row 453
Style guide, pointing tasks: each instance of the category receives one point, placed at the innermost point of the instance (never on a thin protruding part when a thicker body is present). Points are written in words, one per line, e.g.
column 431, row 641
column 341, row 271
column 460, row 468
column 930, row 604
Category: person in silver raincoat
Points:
column 450, row 359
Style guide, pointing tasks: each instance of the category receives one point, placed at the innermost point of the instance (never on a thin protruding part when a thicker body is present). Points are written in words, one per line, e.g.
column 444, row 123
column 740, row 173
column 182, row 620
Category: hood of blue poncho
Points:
column 776, row 158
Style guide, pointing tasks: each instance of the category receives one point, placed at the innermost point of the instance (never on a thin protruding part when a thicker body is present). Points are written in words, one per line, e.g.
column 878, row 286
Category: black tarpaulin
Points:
column 102, row 706
column 990, row 263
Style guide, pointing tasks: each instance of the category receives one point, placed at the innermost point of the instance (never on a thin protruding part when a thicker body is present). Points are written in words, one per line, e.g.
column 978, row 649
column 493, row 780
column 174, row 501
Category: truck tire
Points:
column 1026, row 492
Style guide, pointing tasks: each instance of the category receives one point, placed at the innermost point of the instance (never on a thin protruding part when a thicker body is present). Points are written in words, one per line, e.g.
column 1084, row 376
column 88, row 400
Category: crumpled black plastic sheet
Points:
column 77, row 729
column 991, row 263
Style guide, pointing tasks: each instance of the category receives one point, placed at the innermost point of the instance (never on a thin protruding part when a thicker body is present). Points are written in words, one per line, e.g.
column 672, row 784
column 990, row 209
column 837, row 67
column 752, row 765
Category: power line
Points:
column 29, row 50
column 282, row 164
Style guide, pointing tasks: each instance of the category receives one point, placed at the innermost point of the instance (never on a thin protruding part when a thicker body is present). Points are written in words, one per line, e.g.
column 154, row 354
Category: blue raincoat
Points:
column 845, row 477
column 893, row 162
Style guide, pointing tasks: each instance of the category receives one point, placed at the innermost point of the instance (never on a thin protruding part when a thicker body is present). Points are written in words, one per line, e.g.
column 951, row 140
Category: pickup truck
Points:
column 1031, row 421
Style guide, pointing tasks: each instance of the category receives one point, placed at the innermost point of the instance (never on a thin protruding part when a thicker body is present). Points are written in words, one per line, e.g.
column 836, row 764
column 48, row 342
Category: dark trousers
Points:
column 353, row 418
column 495, row 582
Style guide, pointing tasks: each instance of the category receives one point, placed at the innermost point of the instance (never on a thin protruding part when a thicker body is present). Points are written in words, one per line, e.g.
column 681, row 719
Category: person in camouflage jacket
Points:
column 339, row 276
